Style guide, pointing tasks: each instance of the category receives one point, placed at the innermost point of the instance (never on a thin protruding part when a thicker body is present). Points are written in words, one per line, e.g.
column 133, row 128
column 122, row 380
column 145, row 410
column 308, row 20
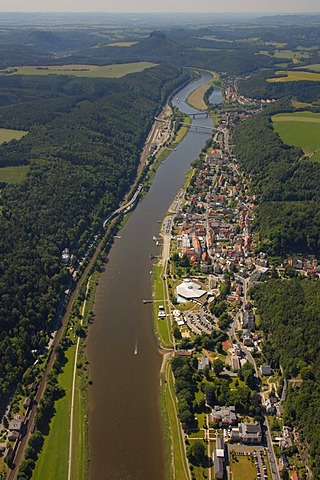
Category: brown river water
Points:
column 125, row 434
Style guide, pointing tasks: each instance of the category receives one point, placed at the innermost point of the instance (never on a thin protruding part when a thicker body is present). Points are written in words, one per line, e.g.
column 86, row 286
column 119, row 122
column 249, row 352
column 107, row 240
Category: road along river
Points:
column 125, row 436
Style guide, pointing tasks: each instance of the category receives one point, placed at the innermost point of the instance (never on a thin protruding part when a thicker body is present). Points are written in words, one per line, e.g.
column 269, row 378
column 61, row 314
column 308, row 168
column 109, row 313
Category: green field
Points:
column 6, row 134
column 289, row 54
column 13, row 174
column 92, row 71
column 243, row 468
column 315, row 67
column 121, row 44
column 301, row 129
column 52, row 463
column 294, row 76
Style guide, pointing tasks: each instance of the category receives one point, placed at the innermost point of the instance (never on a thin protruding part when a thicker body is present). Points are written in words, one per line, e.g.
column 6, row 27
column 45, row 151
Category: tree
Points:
column 196, row 453
column 218, row 367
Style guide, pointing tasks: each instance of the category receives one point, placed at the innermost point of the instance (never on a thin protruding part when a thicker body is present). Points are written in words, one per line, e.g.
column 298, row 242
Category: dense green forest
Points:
column 290, row 316
column 287, row 188
column 82, row 159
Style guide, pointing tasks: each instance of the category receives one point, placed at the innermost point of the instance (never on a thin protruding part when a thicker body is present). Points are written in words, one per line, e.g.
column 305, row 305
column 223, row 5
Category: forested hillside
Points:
column 83, row 155
column 256, row 86
column 287, row 188
column 292, row 330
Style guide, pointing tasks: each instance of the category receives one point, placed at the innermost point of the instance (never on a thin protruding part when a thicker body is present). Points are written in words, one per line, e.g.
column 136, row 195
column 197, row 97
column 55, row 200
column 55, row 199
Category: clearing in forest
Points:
column 6, row 134
column 294, row 76
column 301, row 129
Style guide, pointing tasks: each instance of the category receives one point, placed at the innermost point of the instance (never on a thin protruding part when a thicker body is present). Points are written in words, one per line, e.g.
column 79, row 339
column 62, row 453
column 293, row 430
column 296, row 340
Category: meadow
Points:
column 196, row 98
column 301, row 129
column 6, row 134
column 13, row 174
column 288, row 54
column 92, row 71
column 314, row 67
column 294, row 76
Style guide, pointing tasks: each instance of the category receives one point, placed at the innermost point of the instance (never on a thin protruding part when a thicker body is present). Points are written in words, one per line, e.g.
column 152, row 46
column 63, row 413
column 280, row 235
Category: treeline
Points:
column 81, row 164
column 290, row 318
column 286, row 185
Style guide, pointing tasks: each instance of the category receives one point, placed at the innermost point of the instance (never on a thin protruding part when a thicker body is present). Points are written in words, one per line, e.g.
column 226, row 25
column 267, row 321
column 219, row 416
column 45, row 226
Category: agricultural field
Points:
column 92, row 71
column 314, row 67
column 301, row 129
column 295, row 76
column 287, row 54
column 13, row 174
column 6, row 134
column 121, row 44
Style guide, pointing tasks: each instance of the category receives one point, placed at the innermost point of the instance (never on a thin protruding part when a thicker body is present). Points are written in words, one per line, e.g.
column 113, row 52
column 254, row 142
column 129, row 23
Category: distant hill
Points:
column 157, row 45
column 289, row 19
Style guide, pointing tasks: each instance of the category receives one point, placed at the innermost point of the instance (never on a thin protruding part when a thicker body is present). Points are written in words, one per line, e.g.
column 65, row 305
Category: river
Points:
column 125, row 435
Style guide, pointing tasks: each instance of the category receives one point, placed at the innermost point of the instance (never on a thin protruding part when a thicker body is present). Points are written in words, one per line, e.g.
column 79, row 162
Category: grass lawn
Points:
column 52, row 463
column 6, row 134
column 13, row 174
column 162, row 326
column 107, row 71
column 294, row 76
column 243, row 468
column 301, row 129
column 195, row 99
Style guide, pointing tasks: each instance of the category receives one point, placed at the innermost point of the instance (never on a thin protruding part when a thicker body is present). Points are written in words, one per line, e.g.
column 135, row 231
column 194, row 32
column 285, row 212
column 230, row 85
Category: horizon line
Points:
column 163, row 13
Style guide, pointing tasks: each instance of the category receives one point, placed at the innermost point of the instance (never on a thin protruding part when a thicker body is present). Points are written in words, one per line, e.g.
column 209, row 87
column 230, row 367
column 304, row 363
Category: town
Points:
column 210, row 266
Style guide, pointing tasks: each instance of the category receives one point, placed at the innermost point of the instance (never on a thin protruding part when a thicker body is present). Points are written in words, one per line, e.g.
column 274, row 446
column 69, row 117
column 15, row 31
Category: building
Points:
column 203, row 362
column 189, row 289
column 65, row 256
column 16, row 424
column 265, row 370
column 248, row 433
column 219, row 459
column 223, row 416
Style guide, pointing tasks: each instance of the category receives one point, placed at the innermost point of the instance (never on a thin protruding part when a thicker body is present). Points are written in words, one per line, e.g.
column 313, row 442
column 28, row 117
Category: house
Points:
column 270, row 409
column 65, row 256
column 247, row 338
column 223, row 416
column 249, row 433
column 13, row 436
column 265, row 370
column 235, row 363
column 16, row 424
column 219, row 458
column 27, row 402
column 294, row 476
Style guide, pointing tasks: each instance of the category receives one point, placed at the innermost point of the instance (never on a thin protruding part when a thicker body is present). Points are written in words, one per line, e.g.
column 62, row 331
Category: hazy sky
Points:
column 160, row 5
